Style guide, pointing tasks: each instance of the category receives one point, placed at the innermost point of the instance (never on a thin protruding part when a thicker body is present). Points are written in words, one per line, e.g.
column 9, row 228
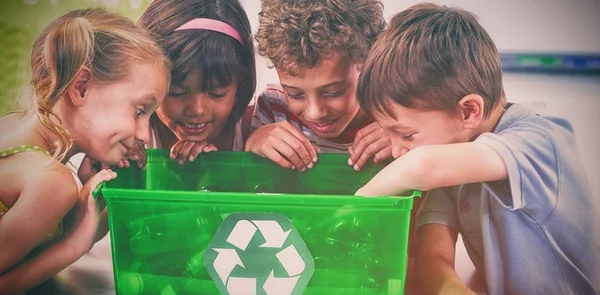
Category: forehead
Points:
column 196, row 78
column 409, row 117
column 334, row 69
column 145, row 82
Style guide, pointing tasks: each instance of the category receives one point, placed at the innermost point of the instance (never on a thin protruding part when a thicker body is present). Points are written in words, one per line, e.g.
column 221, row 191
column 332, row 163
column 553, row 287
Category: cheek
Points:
column 296, row 106
column 170, row 109
column 347, row 105
column 222, row 109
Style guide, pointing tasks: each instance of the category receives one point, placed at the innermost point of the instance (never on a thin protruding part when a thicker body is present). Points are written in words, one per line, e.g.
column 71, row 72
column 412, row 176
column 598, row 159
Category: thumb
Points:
column 100, row 177
column 210, row 148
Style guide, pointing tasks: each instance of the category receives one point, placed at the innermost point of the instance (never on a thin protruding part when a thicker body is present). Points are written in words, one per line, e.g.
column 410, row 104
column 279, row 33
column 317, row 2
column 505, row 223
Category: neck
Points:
column 489, row 124
column 357, row 121
column 224, row 141
column 42, row 137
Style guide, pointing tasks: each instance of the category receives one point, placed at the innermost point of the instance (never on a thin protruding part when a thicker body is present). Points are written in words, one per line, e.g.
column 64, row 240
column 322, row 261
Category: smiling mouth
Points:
column 193, row 128
column 323, row 127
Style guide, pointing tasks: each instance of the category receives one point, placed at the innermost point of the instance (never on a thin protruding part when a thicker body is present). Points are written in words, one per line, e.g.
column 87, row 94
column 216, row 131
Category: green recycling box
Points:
column 235, row 223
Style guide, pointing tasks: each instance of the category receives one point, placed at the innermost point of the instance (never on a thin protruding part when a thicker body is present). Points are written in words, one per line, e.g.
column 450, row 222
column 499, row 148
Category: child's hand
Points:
column 88, row 168
column 284, row 144
column 89, row 219
column 138, row 154
column 184, row 151
column 371, row 141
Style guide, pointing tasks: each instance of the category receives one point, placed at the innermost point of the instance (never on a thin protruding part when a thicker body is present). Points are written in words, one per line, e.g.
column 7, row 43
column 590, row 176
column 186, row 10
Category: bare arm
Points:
column 42, row 204
column 435, row 166
column 435, row 261
column 45, row 199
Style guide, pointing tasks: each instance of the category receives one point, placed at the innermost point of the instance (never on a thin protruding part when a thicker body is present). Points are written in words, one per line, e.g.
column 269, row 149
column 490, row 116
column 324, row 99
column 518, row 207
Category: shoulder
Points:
column 273, row 93
column 271, row 105
column 8, row 123
column 43, row 177
column 533, row 132
column 526, row 119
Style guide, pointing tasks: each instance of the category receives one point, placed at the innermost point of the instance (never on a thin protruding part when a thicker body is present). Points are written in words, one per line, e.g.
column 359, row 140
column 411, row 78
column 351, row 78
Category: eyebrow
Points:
column 147, row 99
column 332, row 84
column 287, row 86
column 402, row 128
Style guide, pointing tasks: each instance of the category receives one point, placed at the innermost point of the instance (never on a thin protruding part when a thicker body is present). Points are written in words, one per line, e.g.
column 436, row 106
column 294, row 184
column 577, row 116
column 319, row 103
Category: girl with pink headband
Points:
column 213, row 75
column 213, row 79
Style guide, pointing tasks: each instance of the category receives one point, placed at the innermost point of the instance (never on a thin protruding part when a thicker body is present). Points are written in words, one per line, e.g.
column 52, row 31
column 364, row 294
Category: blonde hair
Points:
column 108, row 44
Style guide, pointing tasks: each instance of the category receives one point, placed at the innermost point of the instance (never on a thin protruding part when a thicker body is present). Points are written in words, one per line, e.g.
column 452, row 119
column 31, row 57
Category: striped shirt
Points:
column 271, row 107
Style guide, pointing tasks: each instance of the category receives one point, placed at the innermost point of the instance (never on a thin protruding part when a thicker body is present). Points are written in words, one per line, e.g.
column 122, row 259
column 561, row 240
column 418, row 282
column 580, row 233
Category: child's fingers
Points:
column 195, row 150
column 139, row 155
column 175, row 149
column 362, row 134
column 298, row 154
column 274, row 156
column 370, row 151
column 185, row 150
column 284, row 148
column 317, row 149
column 304, row 140
column 100, row 177
column 123, row 163
column 366, row 142
column 382, row 155
column 210, row 148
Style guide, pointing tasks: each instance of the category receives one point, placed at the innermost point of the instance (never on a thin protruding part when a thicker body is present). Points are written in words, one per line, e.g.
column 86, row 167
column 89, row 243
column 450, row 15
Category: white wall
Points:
column 565, row 26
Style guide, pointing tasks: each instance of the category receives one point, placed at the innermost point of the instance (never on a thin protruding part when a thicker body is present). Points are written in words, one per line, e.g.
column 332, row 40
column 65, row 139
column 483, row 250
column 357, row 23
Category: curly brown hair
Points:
column 299, row 34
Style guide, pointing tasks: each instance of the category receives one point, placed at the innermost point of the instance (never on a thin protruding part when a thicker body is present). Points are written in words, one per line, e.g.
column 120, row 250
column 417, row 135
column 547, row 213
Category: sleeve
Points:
column 438, row 207
column 531, row 158
column 263, row 112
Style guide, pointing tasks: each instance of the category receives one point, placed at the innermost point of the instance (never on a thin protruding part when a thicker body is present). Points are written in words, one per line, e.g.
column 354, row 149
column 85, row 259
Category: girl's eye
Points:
column 139, row 112
column 217, row 95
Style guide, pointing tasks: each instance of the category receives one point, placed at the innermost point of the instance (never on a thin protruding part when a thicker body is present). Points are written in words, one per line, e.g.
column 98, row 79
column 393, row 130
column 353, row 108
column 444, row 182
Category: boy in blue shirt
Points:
column 511, row 180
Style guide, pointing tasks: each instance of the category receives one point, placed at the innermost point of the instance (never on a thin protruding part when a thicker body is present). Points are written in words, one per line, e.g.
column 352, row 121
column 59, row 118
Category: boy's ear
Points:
column 471, row 108
column 78, row 89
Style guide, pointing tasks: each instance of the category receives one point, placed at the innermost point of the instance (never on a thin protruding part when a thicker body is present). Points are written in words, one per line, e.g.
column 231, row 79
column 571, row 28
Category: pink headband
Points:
column 211, row 25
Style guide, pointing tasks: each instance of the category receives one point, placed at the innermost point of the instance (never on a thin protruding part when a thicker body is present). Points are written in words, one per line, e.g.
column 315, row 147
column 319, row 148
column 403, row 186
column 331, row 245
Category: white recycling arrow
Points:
column 241, row 286
column 272, row 232
column 280, row 286
column 291, row 260
column 225, row 262
column 242, row 234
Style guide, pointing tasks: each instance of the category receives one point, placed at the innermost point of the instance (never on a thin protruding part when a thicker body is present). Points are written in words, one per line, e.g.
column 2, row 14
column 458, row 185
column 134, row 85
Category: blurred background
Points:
column 543, row 30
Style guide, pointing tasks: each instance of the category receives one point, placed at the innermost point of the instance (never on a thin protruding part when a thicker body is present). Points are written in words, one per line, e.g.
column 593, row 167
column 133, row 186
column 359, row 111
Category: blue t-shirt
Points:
column 537, row 232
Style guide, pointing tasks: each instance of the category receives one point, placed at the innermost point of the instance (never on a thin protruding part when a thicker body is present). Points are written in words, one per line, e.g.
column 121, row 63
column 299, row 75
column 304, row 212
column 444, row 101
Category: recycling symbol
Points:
column 258, row 253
